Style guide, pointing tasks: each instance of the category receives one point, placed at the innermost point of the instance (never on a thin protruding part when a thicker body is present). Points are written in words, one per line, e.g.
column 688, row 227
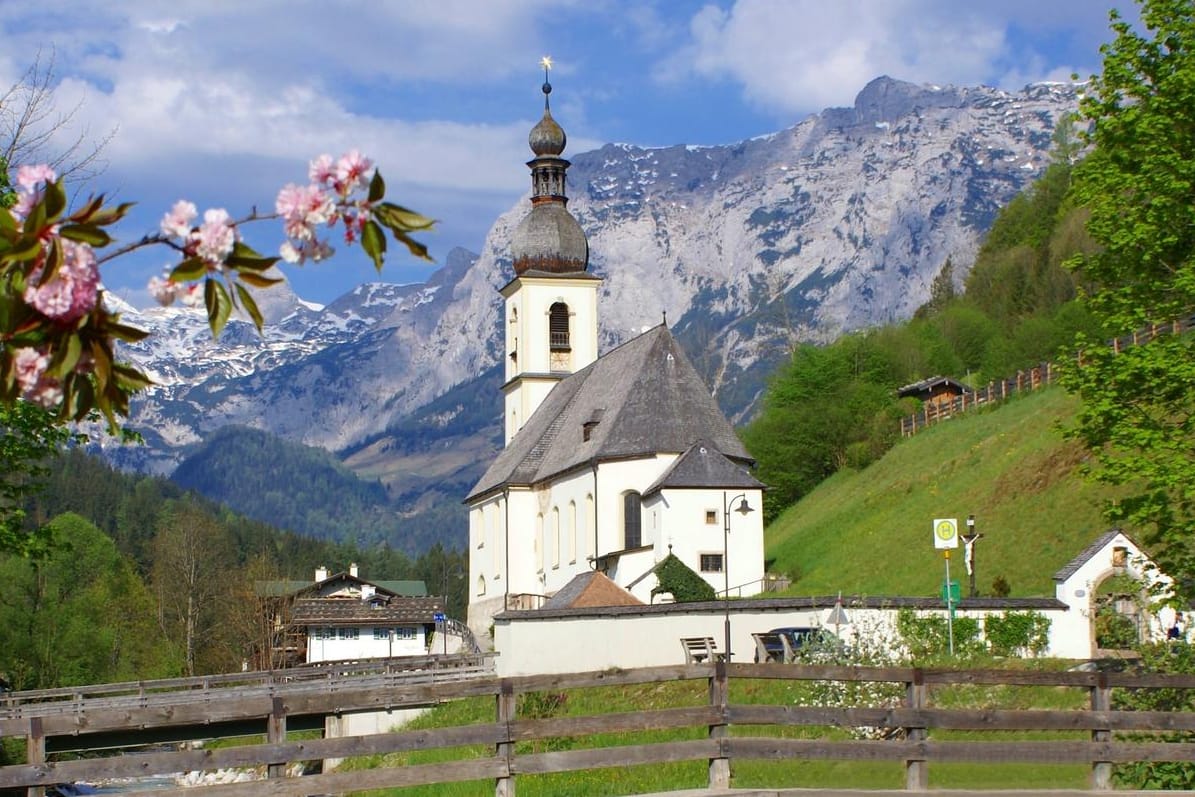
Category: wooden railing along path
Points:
column 1027, row 380
column 730, row 731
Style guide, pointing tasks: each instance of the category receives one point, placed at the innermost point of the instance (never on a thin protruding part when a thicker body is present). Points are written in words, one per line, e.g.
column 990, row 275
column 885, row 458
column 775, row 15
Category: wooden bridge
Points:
column 726, row 731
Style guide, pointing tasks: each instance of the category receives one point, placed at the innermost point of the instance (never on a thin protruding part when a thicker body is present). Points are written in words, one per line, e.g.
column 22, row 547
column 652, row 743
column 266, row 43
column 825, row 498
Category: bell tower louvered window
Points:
column 558, row 327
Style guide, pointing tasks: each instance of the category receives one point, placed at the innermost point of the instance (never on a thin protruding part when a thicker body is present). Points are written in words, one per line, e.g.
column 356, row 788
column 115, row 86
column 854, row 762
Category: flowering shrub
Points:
column 58, row 339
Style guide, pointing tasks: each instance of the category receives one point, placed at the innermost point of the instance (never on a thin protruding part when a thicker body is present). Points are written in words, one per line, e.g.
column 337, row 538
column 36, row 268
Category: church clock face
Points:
column 560, row 361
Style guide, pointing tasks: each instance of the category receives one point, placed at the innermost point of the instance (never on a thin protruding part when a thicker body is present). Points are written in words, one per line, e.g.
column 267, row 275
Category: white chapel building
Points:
column 611, row 462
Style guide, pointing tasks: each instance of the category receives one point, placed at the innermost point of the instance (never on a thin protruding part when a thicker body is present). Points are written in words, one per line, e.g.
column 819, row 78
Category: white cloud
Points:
column 798, row 56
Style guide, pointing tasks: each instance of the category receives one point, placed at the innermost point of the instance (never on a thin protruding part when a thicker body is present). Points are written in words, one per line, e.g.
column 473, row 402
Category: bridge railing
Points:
column 1095, row 736
column 166, row 691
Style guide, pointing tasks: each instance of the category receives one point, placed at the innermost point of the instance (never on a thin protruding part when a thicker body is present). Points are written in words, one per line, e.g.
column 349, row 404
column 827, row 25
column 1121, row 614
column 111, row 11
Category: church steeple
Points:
column 551, row 304
column 549, row 239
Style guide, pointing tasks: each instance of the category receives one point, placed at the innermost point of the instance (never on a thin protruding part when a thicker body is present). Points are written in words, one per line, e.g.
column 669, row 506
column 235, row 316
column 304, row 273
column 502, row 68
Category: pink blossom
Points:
column 31, row 178
column 177, row 222
column 163, row 290
column 25, row 203
column 309, row 204
column 307, row 249
column 352, row 170
column 71, row 293
column 322, row 170
column 29, row 364
column 31, row 377
column 216, row 237
column 191, row 295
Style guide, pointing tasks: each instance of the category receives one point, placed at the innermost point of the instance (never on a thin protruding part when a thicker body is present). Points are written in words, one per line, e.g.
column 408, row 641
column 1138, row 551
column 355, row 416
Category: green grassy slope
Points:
column 869, row 532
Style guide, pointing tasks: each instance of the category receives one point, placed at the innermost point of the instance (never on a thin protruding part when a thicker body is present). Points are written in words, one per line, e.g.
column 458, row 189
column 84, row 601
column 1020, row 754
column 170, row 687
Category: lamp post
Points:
column 743, row 509
column 969, row 553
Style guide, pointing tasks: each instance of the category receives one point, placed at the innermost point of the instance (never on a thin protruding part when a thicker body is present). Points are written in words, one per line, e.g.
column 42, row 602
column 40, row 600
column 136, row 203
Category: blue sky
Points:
column 224, row 102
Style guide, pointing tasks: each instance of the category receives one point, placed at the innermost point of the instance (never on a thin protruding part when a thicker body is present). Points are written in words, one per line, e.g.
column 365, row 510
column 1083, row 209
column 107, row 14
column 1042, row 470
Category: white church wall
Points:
column 615, row 479
column 625, row 638
column 691, row 521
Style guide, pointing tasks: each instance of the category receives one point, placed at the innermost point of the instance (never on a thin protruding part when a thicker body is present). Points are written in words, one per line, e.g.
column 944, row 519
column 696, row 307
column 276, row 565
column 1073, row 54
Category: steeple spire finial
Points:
column 549, row 239
column 546, row 63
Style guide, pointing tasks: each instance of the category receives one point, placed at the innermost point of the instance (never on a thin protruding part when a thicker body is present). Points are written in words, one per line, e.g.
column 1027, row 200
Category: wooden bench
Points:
column 777, row 652
column 700, row 648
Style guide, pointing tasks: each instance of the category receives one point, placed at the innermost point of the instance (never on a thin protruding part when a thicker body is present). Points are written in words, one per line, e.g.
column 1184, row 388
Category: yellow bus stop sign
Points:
column 946, row 533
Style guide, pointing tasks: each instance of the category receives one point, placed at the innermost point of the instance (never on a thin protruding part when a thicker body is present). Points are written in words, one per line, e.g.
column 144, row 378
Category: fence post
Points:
column 719, row 693
column 505, row 786
column 1101, row 700
column 275, row 734
column 35, row 752
column 916, row 769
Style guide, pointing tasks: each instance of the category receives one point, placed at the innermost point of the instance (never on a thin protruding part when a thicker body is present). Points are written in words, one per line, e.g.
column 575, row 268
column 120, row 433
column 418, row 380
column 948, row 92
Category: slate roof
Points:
column 288, row 587
column 652, row 400
column 928, row 385
column 354, row 611
column 1072, row 567
column 703, row 466
column 591, row 588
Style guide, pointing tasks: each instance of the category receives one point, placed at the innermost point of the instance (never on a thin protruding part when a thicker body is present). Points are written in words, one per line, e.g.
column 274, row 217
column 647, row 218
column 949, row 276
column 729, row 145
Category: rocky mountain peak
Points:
column 838, row 223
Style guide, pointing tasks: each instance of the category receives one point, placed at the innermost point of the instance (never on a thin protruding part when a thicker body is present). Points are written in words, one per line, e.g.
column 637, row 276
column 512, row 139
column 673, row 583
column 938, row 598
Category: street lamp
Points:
column 969, row 553
column 743, row 509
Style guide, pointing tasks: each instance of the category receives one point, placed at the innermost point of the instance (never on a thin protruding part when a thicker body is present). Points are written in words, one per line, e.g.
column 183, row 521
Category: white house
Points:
column 610, row 461
column 1078, row 584
column 347, row 617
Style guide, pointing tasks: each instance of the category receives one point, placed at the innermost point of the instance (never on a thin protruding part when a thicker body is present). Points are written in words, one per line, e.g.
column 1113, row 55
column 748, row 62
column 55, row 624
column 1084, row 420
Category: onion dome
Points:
column 547, row 137
column 549, row 239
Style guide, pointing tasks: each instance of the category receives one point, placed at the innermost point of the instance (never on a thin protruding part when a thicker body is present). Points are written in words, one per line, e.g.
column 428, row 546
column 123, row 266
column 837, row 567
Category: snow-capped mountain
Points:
column 839, row 222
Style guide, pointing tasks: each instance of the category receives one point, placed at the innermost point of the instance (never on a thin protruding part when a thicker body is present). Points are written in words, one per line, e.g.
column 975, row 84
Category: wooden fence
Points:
column 934, row 412
column 729, row 731
column 1029, row 380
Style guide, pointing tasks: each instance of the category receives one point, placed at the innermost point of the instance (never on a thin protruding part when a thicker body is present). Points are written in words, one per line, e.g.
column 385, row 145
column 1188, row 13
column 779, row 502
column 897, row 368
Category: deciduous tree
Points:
column 1138, row 183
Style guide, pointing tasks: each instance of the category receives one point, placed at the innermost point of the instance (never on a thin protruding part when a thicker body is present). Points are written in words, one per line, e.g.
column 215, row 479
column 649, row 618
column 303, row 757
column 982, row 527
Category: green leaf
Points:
column 8, row 225
column 377, row 187
column 129, row 378
column 189, row 270
column 107, row 216
column 67, row 356
column 400, row 219
column 373, row 241
column 415, row 248
column 257, row 280
column 55, row 200
column 244, row 258
column 85, row 233
column 219, row 306
column 125, row 332
column 249, row 305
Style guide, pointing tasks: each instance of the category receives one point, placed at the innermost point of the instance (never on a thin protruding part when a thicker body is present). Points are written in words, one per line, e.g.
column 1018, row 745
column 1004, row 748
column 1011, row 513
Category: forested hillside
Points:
column 836, row 406
column 868, row 531
column 142, row 579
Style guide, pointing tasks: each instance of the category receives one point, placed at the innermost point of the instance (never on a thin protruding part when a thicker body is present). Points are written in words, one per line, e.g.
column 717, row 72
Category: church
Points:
column 610, row 463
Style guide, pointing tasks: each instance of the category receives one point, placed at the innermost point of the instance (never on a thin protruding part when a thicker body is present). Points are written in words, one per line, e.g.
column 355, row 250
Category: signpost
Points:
column 945, row 538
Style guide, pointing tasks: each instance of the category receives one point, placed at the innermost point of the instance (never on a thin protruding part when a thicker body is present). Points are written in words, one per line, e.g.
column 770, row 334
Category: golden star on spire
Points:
column 546, row 62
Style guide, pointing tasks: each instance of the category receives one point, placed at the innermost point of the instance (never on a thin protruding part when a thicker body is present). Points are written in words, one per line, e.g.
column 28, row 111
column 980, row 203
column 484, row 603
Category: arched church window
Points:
column 555, row 536
column 632, row 520
column 558, row 327
column 539, row 542
column 481, row 585
column 572, row 532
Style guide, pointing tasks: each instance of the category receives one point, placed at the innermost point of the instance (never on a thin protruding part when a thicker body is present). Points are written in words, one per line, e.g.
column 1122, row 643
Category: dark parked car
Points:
column 798, row 639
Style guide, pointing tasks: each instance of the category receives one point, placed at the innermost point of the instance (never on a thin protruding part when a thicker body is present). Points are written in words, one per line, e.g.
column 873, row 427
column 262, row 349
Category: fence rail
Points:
column 910, row 740
column 1028, row 380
